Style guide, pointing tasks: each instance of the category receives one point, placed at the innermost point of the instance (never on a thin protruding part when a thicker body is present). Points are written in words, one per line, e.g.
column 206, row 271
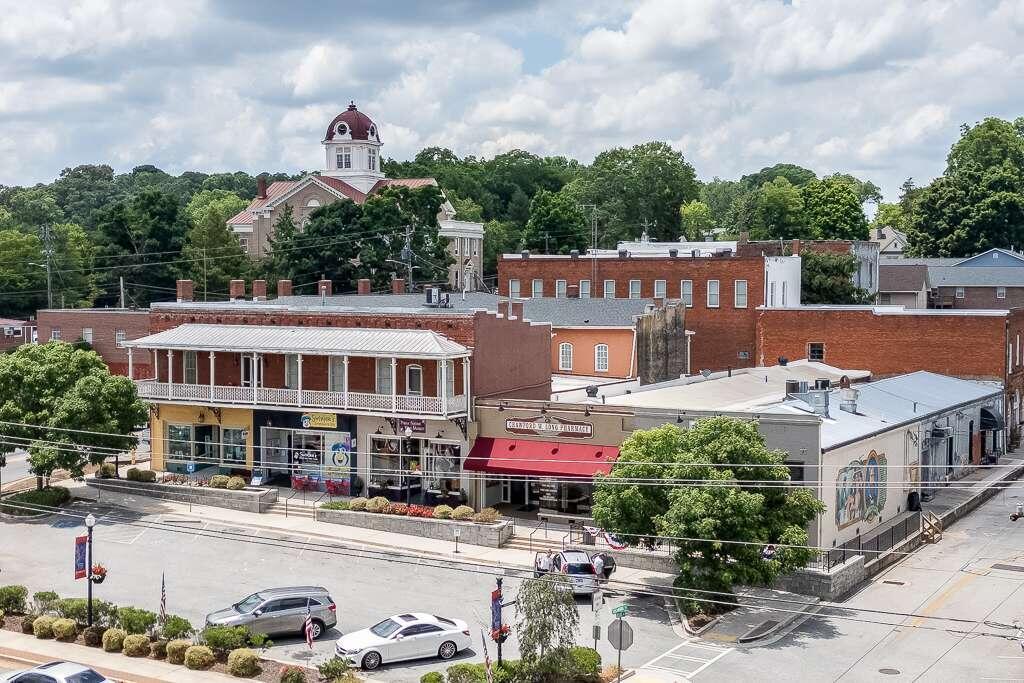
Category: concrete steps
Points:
column 539, row 543
column 293, row 510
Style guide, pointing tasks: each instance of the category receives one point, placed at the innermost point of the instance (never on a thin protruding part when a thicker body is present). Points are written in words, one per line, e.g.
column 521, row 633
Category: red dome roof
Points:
column 359, row 125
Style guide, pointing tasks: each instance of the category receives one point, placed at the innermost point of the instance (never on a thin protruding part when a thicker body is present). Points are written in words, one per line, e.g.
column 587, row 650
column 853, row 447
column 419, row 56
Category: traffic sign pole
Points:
column 618, row 665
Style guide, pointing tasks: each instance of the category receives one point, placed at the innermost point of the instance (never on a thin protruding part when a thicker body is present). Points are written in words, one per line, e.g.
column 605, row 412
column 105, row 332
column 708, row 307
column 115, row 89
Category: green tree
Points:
column 833, row 210
column 83, row 190
column 34, row 207
column 226, row 203
column 74, row 280
column 22, row 281
column 732, row 516
column 721, row 196
column 796, row 175
column 212, row 256
column 865, row 190
column 276, row 264
column 63, row 404
column 827, row 278
column 546, row 617
column 781, row 211
column 890, row 215
column 556, row 224
column 695, row 220
column 500, row 237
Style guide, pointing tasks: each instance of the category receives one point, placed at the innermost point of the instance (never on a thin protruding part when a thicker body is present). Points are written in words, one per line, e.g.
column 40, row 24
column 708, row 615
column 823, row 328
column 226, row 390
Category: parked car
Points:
column 579, row 567
column 55, row 672
column 280, row 610
column 404, row 636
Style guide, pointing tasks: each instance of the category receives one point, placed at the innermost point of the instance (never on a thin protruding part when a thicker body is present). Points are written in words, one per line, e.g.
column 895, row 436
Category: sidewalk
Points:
column 29, row 651
column 953, row 502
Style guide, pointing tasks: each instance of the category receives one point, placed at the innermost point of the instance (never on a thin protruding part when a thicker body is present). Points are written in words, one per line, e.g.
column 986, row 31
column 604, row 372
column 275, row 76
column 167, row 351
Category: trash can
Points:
column 588, row 538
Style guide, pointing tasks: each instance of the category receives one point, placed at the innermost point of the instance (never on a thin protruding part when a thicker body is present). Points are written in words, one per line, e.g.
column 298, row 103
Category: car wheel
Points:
column 318, row 629
column 447, row 650
column 371, row 660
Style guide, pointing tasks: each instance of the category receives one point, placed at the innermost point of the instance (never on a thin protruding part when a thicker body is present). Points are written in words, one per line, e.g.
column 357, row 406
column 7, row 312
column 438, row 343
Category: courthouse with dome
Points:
column 352, row 170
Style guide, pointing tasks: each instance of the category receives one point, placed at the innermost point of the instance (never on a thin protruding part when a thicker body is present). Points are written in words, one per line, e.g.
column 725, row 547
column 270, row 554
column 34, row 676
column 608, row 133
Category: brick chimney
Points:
column 323, row 287
column 184, row 290
column 237, row 289
column 796, row 247
column 261, row 187
column 259, row 290
column 363, row 286
column 573, row 291
column 744, row 237
column 398, row 286
column 515, row 309
column 284, row 287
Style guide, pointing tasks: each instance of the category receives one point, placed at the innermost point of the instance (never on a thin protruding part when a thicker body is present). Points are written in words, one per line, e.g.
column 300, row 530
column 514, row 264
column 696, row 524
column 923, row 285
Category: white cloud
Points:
column 324, row 68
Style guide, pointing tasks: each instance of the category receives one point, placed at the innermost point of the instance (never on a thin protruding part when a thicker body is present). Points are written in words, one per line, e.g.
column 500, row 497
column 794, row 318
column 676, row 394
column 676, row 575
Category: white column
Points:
column 444, row 386
column 344, row 384
column 170, row 368
column 255, row 374
column 211, row 375
column 394, row 385
column 465, row 383
column 300, row 379
column 131, row 365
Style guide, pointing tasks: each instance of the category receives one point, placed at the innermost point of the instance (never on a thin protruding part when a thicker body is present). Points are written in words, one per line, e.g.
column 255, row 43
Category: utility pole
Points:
column 48, row 249
column 407, row 257
column 205, row 273
column 546, row 238
column 121, row 281
column 593, row 245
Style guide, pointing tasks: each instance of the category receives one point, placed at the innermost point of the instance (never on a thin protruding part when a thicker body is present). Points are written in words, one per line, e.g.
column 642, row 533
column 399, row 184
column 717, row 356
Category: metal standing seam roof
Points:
column 309, row 340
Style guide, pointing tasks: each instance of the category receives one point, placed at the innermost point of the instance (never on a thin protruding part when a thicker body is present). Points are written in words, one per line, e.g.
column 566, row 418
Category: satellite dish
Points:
column 705, row 372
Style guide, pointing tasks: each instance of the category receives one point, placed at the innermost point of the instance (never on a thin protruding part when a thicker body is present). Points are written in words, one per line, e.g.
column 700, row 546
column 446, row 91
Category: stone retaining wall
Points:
column 247, row 500
column 488, row 535
column 635, row 559
column 833, row 585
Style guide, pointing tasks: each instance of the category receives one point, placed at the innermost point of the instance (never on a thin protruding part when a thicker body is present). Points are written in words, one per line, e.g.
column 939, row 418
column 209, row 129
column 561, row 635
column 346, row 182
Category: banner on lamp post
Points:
column 81, row 565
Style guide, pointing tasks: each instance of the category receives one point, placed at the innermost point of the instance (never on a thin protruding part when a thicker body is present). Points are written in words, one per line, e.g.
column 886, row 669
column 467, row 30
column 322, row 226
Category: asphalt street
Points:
column 17, row 467
column 204, row 574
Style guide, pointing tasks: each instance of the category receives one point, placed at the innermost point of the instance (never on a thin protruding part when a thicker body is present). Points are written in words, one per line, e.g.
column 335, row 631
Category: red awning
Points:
column 540, row 458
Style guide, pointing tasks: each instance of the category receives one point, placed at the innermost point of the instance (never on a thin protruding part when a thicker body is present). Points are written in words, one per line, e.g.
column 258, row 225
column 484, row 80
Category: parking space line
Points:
column 717, row 657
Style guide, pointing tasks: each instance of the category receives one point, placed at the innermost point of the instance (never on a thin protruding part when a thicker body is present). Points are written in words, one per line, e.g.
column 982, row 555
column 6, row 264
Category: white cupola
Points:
column 353, row 145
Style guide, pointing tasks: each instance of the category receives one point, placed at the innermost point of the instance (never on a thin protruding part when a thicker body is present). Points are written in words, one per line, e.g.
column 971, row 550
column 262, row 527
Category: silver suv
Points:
column 280, row 610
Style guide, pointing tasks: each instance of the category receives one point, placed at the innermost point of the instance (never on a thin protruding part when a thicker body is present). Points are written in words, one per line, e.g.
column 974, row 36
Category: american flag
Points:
column 163, row 599
column 308, row 626
column 487, row 659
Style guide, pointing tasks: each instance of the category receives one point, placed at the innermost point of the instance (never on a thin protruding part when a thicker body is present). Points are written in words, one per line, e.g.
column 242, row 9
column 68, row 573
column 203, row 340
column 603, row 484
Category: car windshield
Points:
column 385, row 628
column 580, row 568
column 248, row 604
column 86, row 676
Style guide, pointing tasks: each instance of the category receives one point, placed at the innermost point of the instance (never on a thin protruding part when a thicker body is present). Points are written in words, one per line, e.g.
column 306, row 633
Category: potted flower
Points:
column 500, row 635
column 98, row 574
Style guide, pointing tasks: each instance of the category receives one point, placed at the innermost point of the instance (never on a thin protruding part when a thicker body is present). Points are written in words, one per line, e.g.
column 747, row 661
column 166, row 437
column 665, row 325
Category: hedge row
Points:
column 381, row 505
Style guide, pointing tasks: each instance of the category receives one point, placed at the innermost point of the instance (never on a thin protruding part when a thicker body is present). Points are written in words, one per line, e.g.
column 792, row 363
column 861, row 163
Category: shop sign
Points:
column 417, row 426
column 308, row 457
column 327, row 420
column 544, row 425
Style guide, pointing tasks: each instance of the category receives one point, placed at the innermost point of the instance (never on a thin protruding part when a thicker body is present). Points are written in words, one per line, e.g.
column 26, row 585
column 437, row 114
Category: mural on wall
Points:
column 860, row 490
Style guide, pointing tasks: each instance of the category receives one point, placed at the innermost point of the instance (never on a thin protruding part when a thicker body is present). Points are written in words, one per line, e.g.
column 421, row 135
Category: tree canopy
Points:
column 827, row 278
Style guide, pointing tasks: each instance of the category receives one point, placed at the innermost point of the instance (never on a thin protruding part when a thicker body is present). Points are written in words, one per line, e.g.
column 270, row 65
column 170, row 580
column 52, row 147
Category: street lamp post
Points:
column 90, row 522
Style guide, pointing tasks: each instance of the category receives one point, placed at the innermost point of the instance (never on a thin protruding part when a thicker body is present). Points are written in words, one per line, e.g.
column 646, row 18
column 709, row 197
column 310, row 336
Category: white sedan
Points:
column 55, row 672
column 404, row 636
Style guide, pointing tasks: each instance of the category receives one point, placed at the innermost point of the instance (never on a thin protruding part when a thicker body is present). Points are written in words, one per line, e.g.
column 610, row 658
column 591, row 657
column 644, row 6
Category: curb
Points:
column 33, row 660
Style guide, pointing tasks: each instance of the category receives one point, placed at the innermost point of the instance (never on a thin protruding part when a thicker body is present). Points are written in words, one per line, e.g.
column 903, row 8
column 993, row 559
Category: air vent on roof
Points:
column 673, row 253
column 436, row 298
column 575, row 253
column 623, row 253
column 821, row 383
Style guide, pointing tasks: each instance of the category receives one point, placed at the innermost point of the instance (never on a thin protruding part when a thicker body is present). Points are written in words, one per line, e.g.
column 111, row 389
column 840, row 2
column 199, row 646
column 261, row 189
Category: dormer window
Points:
column 342, row 128
column 373, row 131
column 371, row 159
column 344, row 157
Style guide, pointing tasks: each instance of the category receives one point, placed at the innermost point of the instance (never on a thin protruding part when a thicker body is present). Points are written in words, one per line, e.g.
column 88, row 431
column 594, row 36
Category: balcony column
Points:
column 394, row 385
column 444, row 386
column 300, row 379
column 344, row 381
column 211, row 375
column 131, row 365
column 465, row 384
column 170, row 366
column 253, row 379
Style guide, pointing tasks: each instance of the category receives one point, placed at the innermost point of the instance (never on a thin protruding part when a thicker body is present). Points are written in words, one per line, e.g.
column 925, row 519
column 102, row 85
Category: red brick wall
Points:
column 721, row 334
column 25, row 330
column 516, row 363
column 983, row 297
column 104, row 323
column 858, row 339
column 775, row 248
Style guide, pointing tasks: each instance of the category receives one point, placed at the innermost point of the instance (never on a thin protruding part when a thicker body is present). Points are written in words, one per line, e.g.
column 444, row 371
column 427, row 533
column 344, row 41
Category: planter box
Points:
column 247, row 500
column 488, row 535
column 635, row 559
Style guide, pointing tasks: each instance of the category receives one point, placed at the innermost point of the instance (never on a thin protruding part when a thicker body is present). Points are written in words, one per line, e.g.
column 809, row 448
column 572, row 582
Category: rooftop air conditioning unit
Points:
column 673, row 253
column 822, row 384
column 695, row 253
column 8, row 331
column 623, row 253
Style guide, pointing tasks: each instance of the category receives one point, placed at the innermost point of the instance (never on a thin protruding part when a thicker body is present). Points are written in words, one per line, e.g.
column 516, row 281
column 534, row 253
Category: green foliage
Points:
column 72, row 608
column 158, row 649
column 236, row 484
column 546, row 616
column 462, row 512
column 443, row 512
column 20, row 249
column 13, row 599
column 219, row 481
column 107, row 471
column 213, row 255
column 175, row 627
column 359, row 503
column 199, row 657
column 793, row 174
column 56, row 385
column 136, row 645
column 833, row 210
column 586, row 663
column 224, row 202
column 44, row 601
column 176, row 651
column 42, row 627
column 333, row 668
column 259, row 641
column 293, row 674
column 695, row 220
column 93, row 635
column 377, row 504
column 132, row 474
column 35, row 501
column 467, row 673
column 731, row 510
column 113, row 639
column 243, row 663
column 556, row 224
column 827, row 278
column 780, row 212
column 28, row 622
column 103, row 613
column 432, row 677
column 135, row 620
column 223, row 639
column 336, row 505
column 487, row 516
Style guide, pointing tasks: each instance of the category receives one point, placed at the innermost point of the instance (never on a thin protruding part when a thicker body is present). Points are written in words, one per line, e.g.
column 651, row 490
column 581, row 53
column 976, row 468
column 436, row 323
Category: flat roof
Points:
column 319, row 341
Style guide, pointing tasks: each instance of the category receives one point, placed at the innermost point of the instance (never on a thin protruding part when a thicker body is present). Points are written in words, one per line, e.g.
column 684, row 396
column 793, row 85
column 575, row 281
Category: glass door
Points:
column 251, row 375
column 308, row 453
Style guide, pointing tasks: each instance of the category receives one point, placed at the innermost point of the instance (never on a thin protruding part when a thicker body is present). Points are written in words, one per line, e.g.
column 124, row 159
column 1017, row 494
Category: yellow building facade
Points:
column 202, row 435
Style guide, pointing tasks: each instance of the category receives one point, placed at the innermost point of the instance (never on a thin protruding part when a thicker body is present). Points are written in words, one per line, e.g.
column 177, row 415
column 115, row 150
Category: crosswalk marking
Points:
column 697, row 653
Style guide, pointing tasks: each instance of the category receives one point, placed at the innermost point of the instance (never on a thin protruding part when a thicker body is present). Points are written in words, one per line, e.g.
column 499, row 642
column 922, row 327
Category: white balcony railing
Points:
column 352, row 400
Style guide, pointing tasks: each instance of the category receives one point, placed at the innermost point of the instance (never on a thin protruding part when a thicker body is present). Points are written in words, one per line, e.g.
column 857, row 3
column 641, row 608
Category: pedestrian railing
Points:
column 870, row 547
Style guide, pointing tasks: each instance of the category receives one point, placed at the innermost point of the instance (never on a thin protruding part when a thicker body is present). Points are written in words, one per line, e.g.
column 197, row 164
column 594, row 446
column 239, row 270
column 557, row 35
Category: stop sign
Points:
column 620, row 635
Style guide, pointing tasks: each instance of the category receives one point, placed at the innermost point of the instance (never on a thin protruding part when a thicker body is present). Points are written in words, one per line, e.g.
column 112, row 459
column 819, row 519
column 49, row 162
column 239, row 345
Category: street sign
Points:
column 620, row 635
column 620, row 611
column 190, row 468
column 597, row 633
column 597, row 600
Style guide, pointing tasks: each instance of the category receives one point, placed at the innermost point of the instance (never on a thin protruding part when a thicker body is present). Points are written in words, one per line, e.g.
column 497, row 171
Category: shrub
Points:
column 107, row 471
column 198, row 657
column 93, row 635
column 259, row 641
column 103, row 614
column 148, row 476
column 443, row 512
column 2, row 617
column 219, row 481
column 398, row 509
column 358, row 503
column 73, row 608
column 335, row 505
column 49, row 497
column 293, row 674
column 65, row 629
column 133, row 474
column 176, row 627
column 27, row 622
column 421, row 511
column 333, row 668
column 243, row 663
column 176, row 651
column 42, row 627
column 432, row 677
column 44, row 601
column 585, row 663
column 610, row 673
column 224, row 639
column 158, row 648
column 12, row 599
column 113, row 640
column 487, row 516
column 462, row 512
column 135, row 620
column 136, row 645
column 467, row 673
column 236, row 483
column 378, row 504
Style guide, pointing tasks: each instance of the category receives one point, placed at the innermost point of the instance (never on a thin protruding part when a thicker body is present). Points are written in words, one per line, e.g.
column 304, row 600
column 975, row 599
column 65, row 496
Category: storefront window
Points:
column 234, row 445
column 307, row 452
column 179, row 442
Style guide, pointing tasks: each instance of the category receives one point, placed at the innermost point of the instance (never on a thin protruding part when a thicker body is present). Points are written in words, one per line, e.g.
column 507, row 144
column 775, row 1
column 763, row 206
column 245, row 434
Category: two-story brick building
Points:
column 104, row 329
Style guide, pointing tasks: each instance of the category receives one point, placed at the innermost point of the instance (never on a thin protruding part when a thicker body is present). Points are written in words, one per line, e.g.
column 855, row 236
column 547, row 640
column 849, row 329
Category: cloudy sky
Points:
column 878, row 89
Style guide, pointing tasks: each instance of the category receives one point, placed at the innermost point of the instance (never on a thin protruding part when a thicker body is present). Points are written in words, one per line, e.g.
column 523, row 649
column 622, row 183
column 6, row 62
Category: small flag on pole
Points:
column 308, row 626
column 487, row 659
column 163, row 599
